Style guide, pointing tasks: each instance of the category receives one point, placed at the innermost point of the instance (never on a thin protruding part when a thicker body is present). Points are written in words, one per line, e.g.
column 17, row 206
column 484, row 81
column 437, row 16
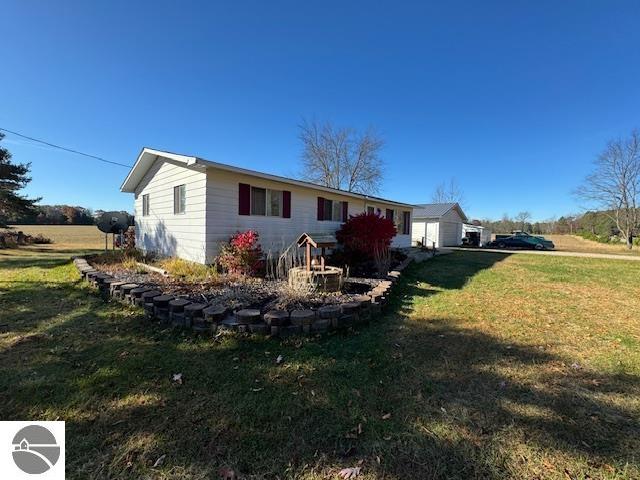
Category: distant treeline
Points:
column 598, row 224
column 56, row 215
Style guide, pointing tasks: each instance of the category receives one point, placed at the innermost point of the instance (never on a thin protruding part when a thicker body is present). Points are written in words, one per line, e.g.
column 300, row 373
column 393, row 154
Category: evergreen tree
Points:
column 13, row 178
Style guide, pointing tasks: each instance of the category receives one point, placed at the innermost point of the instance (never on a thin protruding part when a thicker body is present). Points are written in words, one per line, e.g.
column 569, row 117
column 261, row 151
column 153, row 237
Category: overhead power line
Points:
column 65, row 148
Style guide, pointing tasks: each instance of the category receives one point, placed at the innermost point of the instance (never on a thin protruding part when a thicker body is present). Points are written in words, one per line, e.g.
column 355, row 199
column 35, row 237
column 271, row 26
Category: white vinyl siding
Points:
column 276, row 232
column 162, row 231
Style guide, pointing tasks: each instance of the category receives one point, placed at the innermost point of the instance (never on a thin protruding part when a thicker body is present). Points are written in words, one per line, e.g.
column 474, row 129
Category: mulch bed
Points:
column 236, row 293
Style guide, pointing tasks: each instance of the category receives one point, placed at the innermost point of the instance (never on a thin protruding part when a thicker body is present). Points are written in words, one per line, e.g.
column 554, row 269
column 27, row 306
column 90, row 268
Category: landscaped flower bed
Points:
column 237, row 303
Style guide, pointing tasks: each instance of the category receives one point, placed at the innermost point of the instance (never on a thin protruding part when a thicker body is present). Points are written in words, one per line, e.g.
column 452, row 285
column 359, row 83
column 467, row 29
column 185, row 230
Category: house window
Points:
column 179, row 198
column 336, row 212
column 328, row 207
column 371, row 210
column 333, row 210
column 266, row 202
column 145, row 205
column 258, row 201
column 389, row 214
column 406, row 222
column 274, row 206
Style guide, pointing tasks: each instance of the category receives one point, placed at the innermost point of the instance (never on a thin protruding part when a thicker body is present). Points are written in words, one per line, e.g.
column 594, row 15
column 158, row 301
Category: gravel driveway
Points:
column 557, row 253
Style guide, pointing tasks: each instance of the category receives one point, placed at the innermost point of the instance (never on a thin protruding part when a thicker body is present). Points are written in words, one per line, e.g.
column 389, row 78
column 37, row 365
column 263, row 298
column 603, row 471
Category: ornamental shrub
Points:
column 242, row 254
column 366, row 236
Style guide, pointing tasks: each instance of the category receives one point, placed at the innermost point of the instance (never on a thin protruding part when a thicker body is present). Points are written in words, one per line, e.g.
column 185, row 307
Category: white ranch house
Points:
column 439, row 224
column 186, row 206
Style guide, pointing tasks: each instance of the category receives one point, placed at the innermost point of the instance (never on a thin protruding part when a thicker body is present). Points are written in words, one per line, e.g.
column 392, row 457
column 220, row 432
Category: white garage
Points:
column 437, row 223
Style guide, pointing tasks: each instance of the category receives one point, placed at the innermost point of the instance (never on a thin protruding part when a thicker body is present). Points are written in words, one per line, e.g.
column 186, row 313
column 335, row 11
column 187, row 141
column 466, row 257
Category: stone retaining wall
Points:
column 209, row 319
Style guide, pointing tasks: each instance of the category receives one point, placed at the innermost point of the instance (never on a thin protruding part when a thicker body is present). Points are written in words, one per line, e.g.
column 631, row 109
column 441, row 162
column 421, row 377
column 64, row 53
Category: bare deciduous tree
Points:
column 523, row 218
column 451, row 193
column 614, row 185
column 341, row 157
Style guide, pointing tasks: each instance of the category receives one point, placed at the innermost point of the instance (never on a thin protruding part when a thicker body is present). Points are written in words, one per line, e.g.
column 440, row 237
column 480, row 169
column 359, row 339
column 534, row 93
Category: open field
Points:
column 67, row 237
column 486, row 366
column 572, row 243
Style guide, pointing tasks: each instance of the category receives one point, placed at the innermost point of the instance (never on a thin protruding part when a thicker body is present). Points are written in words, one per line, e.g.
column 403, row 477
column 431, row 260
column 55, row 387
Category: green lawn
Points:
column 486, row 366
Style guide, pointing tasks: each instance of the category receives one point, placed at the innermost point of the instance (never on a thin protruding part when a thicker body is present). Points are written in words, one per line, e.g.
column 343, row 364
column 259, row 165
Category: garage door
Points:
column 451, row 234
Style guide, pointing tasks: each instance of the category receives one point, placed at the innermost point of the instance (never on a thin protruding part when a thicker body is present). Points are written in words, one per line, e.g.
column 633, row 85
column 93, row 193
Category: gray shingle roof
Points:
column 435, row 210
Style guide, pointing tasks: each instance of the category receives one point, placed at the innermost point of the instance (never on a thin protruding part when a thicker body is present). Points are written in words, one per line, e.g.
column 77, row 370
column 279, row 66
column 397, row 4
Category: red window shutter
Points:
column 389, row 214
column 286, row 204
column 345, row 211
column 320, row 208
column 244, row 199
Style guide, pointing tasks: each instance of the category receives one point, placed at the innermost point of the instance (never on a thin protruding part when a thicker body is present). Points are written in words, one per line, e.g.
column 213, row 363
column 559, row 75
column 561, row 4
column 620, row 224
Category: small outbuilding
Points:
column 476, row 235
column 437, row 224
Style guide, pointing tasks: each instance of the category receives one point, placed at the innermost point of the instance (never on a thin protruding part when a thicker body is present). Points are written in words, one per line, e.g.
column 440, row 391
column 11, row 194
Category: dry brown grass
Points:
column 190, row 271
column 67, row 237
column 572, row 243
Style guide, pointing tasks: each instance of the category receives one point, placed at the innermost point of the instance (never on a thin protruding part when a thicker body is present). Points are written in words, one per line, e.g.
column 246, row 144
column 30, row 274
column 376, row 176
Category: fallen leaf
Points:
column 177, row 377
column 159, row 461
column 279, row 359
column 386, row 416
column 348, row 473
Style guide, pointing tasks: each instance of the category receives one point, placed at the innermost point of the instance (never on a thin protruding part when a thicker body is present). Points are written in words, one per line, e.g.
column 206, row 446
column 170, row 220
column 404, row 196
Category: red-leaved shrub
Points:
column 366, row 236
column 242, row 254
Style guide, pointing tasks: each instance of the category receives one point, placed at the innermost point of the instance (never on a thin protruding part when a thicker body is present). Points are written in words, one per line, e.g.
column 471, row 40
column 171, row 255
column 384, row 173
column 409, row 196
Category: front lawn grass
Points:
column 486, row 366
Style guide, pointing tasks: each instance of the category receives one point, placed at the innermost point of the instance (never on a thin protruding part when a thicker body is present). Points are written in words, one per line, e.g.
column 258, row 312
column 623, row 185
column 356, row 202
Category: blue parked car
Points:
column 522, row 240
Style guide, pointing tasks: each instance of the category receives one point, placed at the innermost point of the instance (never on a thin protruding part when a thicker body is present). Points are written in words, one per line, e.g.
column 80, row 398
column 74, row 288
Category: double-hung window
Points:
column 266, row 202
column 406, row 223
column 145, row 205
column 179, row 199
column 332, row 210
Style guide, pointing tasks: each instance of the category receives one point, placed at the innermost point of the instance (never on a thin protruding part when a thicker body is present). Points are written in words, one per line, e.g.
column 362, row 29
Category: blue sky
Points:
column 514, row 99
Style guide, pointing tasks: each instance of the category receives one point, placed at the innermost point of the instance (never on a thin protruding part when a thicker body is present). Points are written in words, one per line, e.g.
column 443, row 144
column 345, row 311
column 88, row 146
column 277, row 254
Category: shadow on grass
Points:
column 461, row 401
column 447, row 272
column 32, row 262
